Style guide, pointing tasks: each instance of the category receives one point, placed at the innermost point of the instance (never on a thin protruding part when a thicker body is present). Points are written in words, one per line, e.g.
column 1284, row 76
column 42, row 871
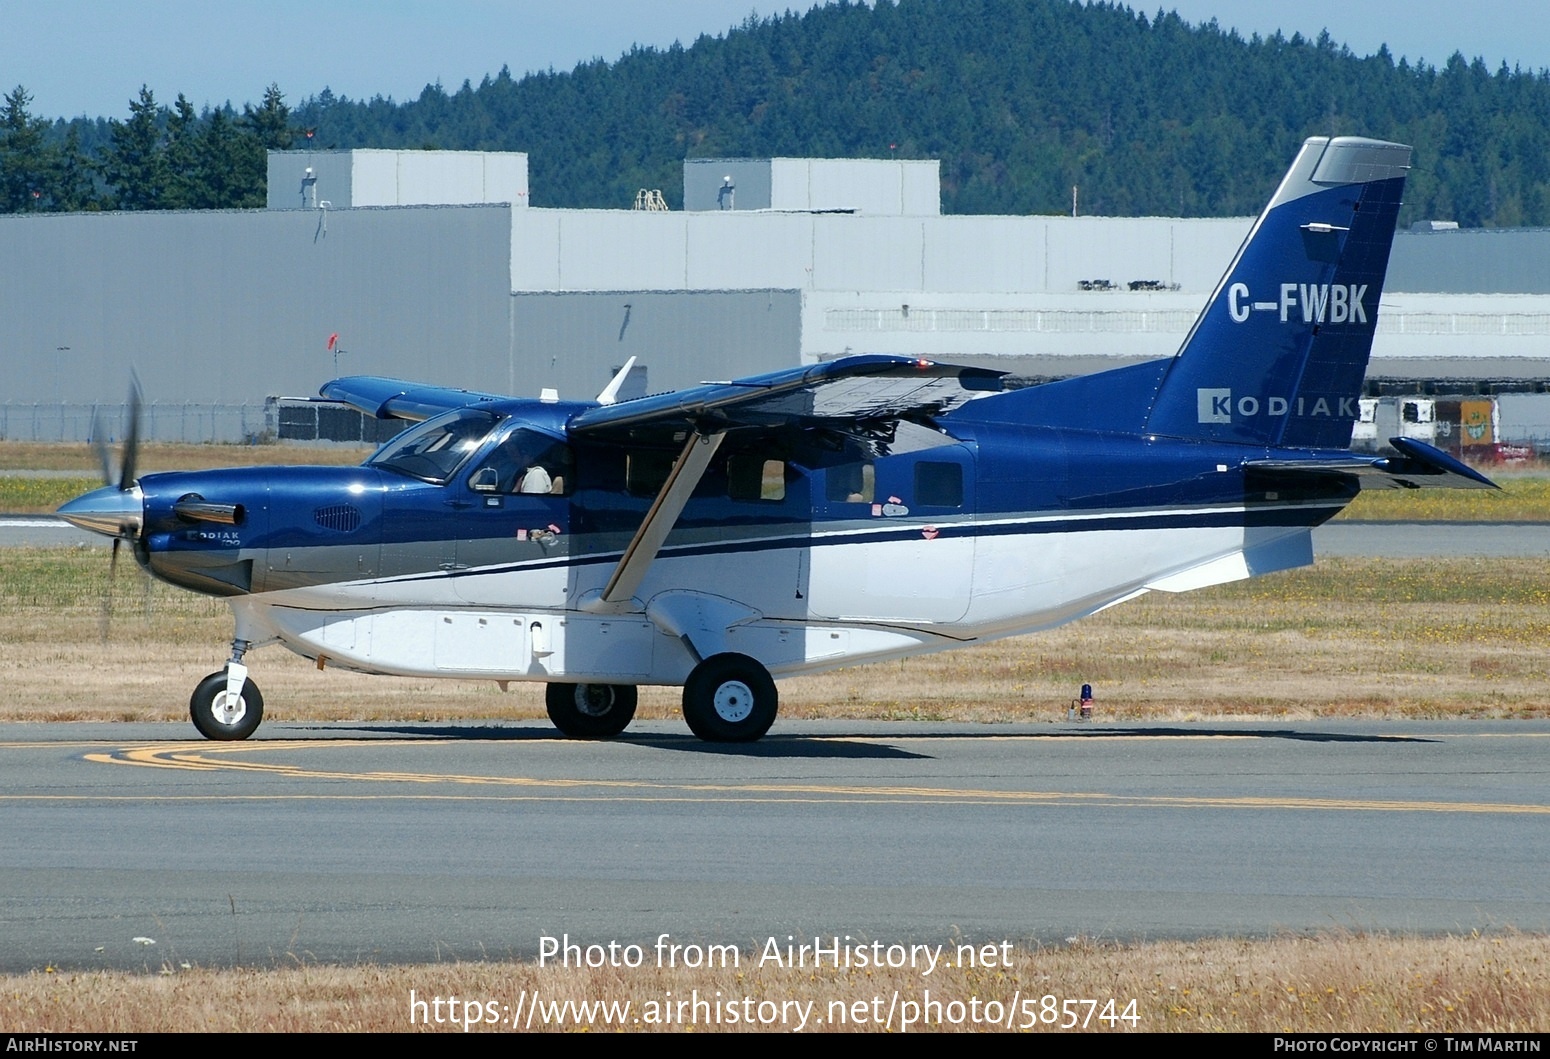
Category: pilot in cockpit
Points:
column 514, row 467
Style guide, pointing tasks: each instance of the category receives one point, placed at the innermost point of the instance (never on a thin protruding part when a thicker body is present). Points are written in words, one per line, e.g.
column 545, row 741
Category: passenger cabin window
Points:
column 752, row 478
column 526, row 462
column 854, row 483
column 939, row 484
column 645, row 472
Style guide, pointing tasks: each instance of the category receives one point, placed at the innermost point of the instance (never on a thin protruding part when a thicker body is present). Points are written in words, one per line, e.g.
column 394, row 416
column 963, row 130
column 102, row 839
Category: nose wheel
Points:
column 227, row 705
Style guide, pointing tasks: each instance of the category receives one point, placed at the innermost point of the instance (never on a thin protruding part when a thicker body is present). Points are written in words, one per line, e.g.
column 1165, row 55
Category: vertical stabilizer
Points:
column 1278, row 355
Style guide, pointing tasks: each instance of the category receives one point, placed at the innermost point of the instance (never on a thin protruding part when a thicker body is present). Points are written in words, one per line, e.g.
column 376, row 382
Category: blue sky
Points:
column 91, row 56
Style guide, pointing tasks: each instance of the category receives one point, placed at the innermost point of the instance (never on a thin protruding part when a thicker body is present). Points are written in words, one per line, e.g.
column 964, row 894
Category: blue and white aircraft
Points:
column 868, row 508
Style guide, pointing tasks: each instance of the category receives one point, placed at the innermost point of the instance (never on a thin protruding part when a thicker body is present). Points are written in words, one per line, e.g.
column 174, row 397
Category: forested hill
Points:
column 1020, row 99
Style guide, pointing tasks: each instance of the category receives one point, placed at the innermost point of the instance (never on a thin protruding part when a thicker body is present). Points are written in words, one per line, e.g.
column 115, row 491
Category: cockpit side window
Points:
column 526, row 462
column 434, row 450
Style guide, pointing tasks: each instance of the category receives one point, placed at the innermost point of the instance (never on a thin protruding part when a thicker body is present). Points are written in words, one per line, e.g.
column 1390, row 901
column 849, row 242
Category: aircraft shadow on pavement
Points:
column 829, row 746
column 1253, row 733
column 856, row 745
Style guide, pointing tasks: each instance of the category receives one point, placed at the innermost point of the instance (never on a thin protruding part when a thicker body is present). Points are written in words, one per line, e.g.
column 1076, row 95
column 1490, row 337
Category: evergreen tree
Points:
column 76, row 186
column 29, row 167
column 135, row 165
column 271, row 122
column 265, row 129
column 181, row 156
column 224, row 167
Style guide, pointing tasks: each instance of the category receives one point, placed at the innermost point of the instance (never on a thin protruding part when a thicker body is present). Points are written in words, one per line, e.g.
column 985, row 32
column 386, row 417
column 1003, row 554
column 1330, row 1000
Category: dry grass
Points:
column 1345, row 983
column 1353, row 637
column 1346, row 638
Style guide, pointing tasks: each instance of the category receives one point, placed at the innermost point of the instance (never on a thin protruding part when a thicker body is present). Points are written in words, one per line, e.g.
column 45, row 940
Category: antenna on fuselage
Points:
column 610, row 392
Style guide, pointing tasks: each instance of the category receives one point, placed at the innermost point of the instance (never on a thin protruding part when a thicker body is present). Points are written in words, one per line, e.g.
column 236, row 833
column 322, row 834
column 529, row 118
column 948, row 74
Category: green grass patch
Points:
column 1522, row 498
column 61, row 581
column 35, row 496
column 52, row 578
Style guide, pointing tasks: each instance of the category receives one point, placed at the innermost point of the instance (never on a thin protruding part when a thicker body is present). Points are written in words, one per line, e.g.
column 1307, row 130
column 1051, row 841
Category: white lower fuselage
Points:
column 797, row 604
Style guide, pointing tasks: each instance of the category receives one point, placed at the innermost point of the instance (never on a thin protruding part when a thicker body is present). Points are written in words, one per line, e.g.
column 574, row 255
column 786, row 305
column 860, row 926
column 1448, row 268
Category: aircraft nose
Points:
column 111, row 511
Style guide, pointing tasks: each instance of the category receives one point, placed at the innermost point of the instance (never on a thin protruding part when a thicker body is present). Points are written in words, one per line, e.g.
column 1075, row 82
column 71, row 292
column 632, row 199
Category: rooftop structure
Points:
column 347, row 179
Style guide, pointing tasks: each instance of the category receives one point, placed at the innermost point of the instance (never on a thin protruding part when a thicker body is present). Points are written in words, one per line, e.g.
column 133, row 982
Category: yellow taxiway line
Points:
column 228, row 757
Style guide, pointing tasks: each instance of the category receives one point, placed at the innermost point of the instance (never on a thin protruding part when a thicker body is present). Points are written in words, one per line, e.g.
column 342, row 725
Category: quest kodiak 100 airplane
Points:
column 866, row 508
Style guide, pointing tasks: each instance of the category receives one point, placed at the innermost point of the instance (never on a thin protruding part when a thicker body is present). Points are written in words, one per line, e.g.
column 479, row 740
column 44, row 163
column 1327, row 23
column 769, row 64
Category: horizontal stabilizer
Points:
column 396, row 399
column 1418, row 466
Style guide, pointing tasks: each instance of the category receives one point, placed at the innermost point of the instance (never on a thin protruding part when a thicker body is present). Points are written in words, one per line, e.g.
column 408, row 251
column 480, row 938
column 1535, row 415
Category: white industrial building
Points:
column 432, row 266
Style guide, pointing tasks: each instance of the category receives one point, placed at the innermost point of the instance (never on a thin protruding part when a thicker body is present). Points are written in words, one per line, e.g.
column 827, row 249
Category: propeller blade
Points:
column 96, row 505
column 99, row 446
column 106, row 618
column 126, row 476
column 146, row 584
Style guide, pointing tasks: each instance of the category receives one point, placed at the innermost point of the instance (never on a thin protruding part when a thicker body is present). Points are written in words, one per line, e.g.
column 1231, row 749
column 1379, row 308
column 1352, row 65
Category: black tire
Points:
column 730, row 698
column 591, row 711
column 211, row 723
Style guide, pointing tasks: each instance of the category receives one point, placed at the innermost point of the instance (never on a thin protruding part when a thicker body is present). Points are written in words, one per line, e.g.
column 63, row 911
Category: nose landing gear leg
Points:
column 227, row 705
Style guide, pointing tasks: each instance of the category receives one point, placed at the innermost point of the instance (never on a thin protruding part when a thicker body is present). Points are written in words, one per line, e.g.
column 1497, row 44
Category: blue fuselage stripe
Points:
column 1290, row 517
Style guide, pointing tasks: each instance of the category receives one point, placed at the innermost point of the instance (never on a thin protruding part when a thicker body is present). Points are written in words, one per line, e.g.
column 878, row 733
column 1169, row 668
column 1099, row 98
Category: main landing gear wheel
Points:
column 217, row 717
column 590, row 711
column 730, row 698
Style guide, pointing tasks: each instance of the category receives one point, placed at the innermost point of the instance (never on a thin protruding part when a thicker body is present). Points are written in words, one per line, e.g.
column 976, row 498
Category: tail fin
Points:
column 1278, row 355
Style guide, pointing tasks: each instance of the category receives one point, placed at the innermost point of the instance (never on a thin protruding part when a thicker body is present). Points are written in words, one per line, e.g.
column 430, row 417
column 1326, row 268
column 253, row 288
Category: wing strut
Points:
column 659, row 521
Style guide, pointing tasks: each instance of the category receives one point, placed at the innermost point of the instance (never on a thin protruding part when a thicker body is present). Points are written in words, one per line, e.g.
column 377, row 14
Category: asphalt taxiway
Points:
column 134, row 846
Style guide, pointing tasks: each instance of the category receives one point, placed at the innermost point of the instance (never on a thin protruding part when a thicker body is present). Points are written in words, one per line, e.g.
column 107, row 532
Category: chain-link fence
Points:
column 187, row 421
column 277, row 419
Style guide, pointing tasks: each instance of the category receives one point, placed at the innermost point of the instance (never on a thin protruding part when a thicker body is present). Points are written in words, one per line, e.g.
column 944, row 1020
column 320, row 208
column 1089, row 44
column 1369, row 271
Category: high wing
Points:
column 396, row 399
column 836, row 393
column 856, row 394
column 1418, row 466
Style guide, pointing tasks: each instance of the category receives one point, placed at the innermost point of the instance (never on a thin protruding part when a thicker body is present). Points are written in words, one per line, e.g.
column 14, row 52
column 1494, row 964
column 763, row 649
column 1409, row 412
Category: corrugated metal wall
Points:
column 231, row 307
column 222, row 309
column 629, row 250
column 575, row 342
column 1472, row 261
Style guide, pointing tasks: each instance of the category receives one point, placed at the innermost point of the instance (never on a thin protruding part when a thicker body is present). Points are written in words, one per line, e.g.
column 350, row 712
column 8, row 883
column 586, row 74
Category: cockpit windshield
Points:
column 434, row 450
